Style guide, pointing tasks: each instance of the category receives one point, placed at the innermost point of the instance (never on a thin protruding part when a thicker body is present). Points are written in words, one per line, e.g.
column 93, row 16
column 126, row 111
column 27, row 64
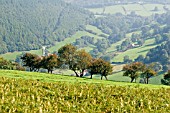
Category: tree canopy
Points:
column 27, row 25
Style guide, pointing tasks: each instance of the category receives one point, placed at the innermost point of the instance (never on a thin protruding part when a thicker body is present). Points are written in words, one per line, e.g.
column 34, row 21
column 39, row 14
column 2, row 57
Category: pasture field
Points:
column 143, row 10
column 35, row 92
column 13, row 55
column 52, row 78
column 95, row 29
column 135, row 52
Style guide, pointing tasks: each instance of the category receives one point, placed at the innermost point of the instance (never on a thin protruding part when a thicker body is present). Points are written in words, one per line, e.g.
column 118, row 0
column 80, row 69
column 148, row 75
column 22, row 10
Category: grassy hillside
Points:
column 143, row 10
column 135, row 52
column 43, row 77
column 35, row 92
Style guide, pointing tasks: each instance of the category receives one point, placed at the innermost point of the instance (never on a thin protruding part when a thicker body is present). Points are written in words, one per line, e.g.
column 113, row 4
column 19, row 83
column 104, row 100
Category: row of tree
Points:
column 136, row 69
column 68, row 56
column 80, row 61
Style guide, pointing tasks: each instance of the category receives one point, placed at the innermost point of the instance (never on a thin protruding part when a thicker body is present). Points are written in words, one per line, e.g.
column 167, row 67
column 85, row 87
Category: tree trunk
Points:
column 132, row 78
column 51, row 71
column 76, row 73
column 91, row 76
column 101, row 77
column 147, row 80
column 82, row 73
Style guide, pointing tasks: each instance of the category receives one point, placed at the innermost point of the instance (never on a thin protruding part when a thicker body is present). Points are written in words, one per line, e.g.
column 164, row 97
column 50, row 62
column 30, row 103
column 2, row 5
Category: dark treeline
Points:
column 27, row 25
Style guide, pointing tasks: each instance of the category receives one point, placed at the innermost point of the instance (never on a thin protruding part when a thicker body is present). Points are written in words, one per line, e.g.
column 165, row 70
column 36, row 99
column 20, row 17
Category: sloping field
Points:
column 37, row 92
column 135, row 52
column 143, row 10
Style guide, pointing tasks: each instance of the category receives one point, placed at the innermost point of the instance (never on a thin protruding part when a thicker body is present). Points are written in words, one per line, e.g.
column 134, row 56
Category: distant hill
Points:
column 29, row 24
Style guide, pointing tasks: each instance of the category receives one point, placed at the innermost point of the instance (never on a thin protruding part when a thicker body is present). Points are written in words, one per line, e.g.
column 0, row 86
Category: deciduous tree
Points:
column 32, row 61
column 132, row 70
column 67, row 55
column 49, row 62
column 83, row 61
column 148, row 72
column 166, row 79
column 99, row 66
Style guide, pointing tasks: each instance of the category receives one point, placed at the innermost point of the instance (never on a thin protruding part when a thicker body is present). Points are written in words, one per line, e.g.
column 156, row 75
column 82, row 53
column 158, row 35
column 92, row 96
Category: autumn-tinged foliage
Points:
column 99, row 66
column 18, row 95
column 67, row 54
column 83, row 61
column 80, row 60
column 147, row 73
column 132, row 70
column 49, row 62
column 77, row 60
column 136, row 69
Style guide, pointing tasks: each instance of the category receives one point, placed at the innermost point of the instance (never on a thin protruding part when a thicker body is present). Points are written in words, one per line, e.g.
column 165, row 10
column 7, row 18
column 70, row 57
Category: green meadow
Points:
column 143, row 10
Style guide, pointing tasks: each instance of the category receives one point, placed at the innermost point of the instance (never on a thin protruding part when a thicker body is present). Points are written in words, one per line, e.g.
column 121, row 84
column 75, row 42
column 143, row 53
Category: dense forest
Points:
column 27, row 25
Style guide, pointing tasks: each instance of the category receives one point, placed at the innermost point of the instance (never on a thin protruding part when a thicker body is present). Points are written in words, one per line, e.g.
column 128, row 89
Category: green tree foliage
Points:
column 49, row 62
column 27, row 25
column 127, row 59
column 133, row 70
column 83, row 61
column 159, row 54
column 148, row 72
column 140, row 58
column 32, row 61
column 76, row 60
column 66, row 56
column 84, row 41
column 102, row 45
column 118, row 25
column 166, row 79
column 4, row 64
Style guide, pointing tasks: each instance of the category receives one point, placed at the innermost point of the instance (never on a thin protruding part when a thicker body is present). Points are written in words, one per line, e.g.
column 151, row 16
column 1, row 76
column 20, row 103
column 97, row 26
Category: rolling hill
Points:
column 27, row 25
